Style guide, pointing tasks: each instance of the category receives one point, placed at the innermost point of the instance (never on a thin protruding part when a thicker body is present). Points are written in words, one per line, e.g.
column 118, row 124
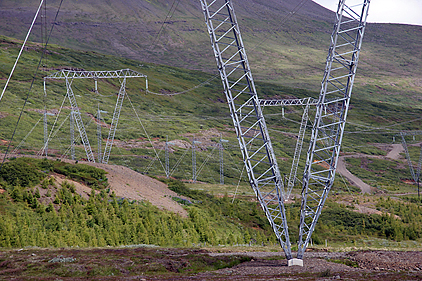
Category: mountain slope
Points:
column 285, row 50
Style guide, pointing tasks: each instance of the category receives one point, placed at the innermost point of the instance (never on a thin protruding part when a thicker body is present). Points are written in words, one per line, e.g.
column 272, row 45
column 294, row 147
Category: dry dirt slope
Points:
column 135, row 186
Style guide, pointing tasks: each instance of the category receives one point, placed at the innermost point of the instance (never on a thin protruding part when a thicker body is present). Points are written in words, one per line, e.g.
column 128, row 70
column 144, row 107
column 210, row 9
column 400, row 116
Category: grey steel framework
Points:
column 114, row 121
column 69, row 75
column 285, row 102
column 331, row 113
column 99, row 133
column 72, row 136
column 246, row 112
column 415, row 176
column 167, row 169
column 327, row 132
column 45, row 148
column 298, row 151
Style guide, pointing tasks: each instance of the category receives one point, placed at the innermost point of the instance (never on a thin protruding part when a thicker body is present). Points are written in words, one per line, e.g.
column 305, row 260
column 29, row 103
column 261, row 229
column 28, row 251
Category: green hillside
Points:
column 201, row 113
column 283, row 50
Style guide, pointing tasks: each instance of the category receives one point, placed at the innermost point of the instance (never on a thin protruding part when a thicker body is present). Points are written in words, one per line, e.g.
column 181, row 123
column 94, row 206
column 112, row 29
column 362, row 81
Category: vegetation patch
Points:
column 28, row 172
column 344, row 261
column 137, row 261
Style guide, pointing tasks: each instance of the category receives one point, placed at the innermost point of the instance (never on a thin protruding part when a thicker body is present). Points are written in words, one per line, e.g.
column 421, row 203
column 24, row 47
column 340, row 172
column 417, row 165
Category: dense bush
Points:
column 91, row 176
column 20, row 172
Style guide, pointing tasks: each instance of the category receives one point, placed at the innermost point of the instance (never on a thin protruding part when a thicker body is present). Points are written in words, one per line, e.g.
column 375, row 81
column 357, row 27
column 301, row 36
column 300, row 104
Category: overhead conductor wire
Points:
column 33, row 79
column 145, row 131
column 20, row 52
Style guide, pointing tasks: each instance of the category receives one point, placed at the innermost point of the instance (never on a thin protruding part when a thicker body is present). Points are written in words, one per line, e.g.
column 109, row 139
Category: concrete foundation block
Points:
column 293, row 262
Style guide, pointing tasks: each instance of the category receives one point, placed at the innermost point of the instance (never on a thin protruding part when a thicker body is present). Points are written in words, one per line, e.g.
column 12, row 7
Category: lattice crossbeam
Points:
column 81, row 74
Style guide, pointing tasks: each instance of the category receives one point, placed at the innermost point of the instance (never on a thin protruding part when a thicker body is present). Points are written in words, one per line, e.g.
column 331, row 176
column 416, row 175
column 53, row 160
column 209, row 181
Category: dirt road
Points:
column 394, row 153
column 342, row 170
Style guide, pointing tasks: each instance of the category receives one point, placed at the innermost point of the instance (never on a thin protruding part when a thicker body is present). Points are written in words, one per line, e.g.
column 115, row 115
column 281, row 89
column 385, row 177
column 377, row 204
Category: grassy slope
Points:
column 293, row 52
column 179, row 116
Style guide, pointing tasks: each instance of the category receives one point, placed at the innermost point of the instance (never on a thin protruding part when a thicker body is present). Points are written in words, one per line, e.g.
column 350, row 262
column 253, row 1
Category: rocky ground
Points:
column 153, row 263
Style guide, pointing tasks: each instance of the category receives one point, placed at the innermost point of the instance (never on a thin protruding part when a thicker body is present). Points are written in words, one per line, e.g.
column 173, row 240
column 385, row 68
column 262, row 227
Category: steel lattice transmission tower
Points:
column 70, row 75
column 327, row 132
column 167, row 158
column 99, row 133
column 72, row 135
column 331, row 114
column 415, row 175
column 246, row 112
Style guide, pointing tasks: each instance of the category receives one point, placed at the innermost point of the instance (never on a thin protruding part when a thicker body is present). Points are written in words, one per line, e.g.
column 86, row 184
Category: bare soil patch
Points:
column 132, row 185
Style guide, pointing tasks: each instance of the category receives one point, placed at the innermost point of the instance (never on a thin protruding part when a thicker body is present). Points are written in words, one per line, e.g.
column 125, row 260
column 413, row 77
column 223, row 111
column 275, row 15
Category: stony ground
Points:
column 153, row 263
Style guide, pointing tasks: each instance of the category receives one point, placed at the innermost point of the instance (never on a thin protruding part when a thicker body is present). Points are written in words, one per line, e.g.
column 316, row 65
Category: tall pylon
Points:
column 99, row 130
column 416, row 175
column 70, row 75
column 251, row 129
column 167, row 157
column 331, row 114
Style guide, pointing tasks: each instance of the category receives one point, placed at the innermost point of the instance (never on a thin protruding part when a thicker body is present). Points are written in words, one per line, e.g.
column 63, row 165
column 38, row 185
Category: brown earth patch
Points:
column 135, row 186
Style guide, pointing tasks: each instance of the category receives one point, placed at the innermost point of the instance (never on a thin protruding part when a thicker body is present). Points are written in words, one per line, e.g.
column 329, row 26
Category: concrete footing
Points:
column 293, row 262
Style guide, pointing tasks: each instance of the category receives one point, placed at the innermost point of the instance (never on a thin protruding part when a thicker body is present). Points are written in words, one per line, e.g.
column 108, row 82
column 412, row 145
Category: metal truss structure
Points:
column 70, row 75
column 298, row 151
column 221, row 154
column 327, row 132
column 167, row 158
column 286, row 102
column 246, row 112
column 114, row 121
column 331, row 114
column 72, row 136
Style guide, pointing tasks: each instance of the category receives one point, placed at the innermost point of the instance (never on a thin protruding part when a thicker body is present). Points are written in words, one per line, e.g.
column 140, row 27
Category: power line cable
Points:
column 283, row 20
column 186, row 91
column 164, row 22
column 27, row 135
column 32, row 83
column 20, row 52
column 145, row 131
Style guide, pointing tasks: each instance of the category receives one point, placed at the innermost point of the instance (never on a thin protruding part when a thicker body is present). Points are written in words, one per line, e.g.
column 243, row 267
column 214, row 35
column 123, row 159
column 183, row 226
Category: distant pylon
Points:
column 46, row 131
column 72, row 136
